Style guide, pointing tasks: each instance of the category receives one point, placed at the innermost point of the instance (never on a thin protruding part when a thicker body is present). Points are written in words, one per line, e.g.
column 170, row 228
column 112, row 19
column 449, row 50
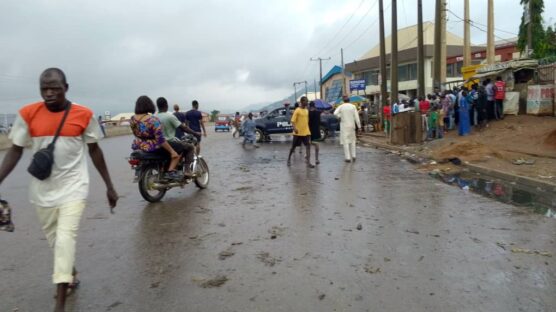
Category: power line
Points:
column 366, row 30
column 344, row 25
column 354, row 27
column 472, row 23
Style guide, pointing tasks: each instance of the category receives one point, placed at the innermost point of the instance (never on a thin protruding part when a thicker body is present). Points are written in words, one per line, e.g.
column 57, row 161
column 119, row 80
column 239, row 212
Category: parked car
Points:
column 278, row 121
column 222, row 123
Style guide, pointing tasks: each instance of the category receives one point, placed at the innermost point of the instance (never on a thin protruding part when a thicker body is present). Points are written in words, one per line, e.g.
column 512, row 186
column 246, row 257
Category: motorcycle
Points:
column 151, row 167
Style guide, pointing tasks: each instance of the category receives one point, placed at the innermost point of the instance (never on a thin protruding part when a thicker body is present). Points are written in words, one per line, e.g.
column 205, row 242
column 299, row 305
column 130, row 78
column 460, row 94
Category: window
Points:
column 407, row 72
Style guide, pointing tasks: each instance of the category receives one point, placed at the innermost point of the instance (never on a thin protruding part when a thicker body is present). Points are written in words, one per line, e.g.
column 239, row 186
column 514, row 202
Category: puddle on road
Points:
column 540, row 200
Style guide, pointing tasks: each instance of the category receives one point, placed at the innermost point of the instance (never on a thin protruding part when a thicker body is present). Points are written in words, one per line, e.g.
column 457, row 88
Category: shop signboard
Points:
column 540, row 100
column 358, row 84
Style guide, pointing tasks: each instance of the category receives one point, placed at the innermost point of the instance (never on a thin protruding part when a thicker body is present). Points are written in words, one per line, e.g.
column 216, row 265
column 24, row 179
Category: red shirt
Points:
column 499, row 90
column 386, row 112
column 424, row 106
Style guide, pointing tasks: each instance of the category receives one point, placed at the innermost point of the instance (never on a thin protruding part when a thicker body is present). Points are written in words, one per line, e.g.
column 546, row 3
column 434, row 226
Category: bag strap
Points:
column 68, row 107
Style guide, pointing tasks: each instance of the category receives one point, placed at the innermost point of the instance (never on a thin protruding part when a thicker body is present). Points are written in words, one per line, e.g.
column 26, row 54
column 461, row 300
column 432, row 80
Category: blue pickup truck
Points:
column 278, row 121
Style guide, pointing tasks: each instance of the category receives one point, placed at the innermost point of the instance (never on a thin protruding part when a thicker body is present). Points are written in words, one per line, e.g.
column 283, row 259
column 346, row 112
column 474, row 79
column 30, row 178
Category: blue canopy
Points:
column 352, row 99
column 320, row 104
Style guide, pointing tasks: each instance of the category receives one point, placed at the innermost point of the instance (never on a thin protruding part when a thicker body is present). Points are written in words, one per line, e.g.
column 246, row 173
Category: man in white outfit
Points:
column 349, row 120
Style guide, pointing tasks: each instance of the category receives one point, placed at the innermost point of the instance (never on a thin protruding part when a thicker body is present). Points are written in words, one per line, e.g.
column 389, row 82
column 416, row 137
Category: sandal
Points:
column 72, row 287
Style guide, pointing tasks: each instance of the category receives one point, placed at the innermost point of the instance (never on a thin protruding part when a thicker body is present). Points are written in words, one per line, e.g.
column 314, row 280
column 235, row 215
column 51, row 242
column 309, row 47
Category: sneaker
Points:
column 173, row 175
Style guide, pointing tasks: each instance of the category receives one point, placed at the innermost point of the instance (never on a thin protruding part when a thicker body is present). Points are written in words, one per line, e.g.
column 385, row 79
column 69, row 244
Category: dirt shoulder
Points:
column 518, row 145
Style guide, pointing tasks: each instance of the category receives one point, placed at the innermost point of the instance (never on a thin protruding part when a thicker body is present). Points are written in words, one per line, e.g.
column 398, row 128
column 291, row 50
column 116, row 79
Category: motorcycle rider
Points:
column 169, row 125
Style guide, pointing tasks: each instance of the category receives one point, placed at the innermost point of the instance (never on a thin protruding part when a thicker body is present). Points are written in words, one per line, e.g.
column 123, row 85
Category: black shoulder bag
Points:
column 43, row 159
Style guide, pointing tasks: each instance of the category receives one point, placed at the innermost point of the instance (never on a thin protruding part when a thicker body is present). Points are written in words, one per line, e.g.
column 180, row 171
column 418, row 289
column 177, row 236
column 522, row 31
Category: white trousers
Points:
column 60, row 225
column 349, row 150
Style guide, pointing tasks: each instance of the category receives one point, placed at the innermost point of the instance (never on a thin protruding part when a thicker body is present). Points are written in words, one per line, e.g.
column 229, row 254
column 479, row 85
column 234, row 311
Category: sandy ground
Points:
column 528, row 138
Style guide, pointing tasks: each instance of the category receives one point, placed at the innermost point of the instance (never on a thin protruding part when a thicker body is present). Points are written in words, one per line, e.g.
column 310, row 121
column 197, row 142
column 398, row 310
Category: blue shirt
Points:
column 194, row 118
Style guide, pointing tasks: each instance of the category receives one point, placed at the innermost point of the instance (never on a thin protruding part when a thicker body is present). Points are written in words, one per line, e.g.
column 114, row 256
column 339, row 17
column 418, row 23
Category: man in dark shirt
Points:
column 314, row 127
column 181, row 118
column 194, row 120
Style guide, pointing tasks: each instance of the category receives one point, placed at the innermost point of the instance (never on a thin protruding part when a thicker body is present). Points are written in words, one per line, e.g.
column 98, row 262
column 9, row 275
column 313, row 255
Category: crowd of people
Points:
column 462, row 108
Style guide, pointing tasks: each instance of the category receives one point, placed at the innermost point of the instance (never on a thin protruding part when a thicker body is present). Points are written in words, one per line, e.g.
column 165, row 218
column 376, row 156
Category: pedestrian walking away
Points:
column 101, row 125
column 181, row 117
column 236, row 124
column 60, row 198
column 248, row 129
column 314, row 127
column 349, row 120
column 195, row 122
column 301, row 132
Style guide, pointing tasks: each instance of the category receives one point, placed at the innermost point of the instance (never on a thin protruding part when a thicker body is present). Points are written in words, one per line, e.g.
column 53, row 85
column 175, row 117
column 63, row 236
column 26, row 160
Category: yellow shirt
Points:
column 300, row 119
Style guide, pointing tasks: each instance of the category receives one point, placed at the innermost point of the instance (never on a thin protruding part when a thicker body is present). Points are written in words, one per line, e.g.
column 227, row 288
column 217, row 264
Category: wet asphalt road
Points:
column 375, row 235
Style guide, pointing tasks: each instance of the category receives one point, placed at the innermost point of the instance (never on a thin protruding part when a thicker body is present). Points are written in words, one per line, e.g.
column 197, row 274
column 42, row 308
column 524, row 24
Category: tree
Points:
column 551, row 41
column 538, row 34
column 213, row 115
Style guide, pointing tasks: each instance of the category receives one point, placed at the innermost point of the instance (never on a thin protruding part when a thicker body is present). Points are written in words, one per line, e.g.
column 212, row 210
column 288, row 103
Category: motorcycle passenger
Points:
column 149, row 137
column 169, row 125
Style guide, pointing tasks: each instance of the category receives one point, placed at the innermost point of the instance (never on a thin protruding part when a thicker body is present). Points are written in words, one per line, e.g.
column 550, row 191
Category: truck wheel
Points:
column 323, row 133
column 259, row 136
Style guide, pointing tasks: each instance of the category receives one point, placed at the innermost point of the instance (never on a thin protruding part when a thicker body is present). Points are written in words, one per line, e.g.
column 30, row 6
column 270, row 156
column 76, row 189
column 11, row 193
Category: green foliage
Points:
column 543, row 41
column 213, row 115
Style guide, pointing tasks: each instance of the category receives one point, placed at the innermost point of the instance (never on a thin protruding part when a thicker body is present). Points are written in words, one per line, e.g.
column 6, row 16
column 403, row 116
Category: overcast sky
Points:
column 226, row 54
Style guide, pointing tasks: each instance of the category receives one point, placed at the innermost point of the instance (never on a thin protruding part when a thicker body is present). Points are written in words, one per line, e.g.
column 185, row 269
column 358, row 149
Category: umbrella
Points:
column 352, row 99
column 320, row 104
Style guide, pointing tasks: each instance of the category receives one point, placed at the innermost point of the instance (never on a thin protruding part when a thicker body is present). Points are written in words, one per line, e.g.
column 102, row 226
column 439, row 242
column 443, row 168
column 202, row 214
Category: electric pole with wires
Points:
column 320, row 59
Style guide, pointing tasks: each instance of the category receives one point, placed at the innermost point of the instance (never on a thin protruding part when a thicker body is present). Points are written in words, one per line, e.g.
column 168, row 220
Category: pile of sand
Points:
column 550, row 140
column 465, row 151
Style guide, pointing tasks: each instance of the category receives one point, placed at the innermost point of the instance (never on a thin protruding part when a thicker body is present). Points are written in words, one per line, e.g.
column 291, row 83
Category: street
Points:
column 374, row 235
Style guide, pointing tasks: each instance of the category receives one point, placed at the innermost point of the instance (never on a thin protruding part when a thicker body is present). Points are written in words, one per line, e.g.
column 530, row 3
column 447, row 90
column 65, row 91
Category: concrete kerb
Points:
column 419, row 158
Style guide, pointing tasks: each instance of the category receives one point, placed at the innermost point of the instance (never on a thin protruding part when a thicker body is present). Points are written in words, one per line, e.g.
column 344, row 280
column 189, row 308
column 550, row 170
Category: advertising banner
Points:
column 540, row 100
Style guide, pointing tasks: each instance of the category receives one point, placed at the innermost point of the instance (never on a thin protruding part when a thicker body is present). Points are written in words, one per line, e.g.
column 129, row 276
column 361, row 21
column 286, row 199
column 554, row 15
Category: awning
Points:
column 487, row 74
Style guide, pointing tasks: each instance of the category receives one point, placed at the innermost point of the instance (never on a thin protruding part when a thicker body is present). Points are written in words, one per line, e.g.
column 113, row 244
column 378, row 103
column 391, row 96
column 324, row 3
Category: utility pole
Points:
column 442, row 42
column 320, row 59
column 315, row 87
column 344, row 89
column 466, row 35
column 295, row 88
column 490, row 32
column 420, row 51
column 383, row 75
column 394, row 64
column 437, row 47
column 530, row 28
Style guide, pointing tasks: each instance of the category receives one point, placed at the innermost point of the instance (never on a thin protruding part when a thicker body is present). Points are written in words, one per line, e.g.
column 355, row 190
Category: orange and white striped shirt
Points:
column 69, row 181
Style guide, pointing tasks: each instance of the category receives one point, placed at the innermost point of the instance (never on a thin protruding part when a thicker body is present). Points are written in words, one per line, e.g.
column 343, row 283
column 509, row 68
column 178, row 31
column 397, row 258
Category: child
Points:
column 432, row 118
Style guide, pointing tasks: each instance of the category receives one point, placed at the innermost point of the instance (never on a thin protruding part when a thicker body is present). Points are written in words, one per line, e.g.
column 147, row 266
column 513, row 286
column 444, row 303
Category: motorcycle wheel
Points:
column 147, row 178
column 202, row 174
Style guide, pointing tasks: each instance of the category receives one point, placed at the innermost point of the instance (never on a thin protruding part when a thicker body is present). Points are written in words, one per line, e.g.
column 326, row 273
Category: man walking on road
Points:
column 181, row 117
column 195, row 122
column 314, row 127
column 349, row 120
column 301, row 133
column 60, row 198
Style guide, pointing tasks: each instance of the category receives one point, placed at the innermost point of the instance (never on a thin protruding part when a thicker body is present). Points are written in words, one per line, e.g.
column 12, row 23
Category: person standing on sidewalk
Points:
column 301, row 132
column 499, row 95
column 349, row 121
column 314, row 127
column 195, row 121
column 59, row 199
column 491, row 104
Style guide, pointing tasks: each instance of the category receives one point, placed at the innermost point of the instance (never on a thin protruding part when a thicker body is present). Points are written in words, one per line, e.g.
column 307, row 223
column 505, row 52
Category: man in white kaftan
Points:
column 349, row 119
